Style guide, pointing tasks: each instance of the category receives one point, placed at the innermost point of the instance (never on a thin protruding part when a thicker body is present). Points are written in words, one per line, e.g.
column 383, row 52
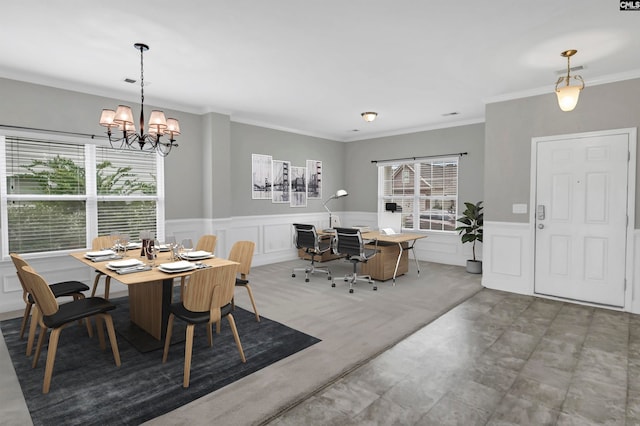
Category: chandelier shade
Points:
column 122, row 119
column 568, row 94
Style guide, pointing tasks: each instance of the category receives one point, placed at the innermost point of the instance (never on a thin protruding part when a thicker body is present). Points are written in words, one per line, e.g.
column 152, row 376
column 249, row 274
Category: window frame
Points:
column 91, row 198
column 416, row 198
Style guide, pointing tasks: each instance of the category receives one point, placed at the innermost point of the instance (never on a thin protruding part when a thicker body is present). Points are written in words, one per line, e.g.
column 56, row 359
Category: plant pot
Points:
column 474, row 266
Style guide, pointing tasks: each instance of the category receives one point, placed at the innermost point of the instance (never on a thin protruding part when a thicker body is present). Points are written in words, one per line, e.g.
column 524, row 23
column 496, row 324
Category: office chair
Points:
column 306, row 238
column 349, row 243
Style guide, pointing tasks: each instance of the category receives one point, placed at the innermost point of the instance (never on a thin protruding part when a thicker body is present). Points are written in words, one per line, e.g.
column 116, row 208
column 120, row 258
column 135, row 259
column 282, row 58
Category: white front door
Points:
column 581, row 218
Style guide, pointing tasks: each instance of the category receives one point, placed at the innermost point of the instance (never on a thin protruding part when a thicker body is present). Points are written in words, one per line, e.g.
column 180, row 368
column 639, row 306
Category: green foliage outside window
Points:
column 36, row 226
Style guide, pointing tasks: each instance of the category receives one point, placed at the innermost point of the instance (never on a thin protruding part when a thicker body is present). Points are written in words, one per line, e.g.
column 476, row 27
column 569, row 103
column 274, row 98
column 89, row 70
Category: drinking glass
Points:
column 186, row 245
column 151, row 250
column 124, row 242
column 173, row 247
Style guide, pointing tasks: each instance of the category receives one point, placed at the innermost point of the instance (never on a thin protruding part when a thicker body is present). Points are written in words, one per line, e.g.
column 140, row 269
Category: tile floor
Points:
column 496, row 359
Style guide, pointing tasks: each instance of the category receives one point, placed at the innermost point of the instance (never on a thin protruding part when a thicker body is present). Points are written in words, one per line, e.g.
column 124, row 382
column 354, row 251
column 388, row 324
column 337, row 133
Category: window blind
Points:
column 46, row 197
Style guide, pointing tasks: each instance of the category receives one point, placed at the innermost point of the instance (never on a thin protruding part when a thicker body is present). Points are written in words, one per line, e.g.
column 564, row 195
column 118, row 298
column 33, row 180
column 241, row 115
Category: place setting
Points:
column 102, row 255
column 128, row 266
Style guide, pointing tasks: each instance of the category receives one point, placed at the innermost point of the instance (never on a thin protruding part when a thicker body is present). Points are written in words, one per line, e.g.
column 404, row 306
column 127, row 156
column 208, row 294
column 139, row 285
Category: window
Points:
column 58, row 195
column 425, row 190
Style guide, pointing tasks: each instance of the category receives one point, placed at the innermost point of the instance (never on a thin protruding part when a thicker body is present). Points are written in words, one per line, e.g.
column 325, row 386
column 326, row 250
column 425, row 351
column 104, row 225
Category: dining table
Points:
column 150, row 293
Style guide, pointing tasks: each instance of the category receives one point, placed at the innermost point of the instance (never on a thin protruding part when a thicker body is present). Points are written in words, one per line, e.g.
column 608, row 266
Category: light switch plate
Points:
column 519, row 209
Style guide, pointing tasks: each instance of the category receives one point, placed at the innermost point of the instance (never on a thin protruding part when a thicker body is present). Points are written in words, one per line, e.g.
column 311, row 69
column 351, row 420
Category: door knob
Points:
column 540, row 226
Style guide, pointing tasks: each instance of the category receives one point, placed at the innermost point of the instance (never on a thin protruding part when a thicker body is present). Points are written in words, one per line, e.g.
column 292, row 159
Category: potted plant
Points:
column 471, row 231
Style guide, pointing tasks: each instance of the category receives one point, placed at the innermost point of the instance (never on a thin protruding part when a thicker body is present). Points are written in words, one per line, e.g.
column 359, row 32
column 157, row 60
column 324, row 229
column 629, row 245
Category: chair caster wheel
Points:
column 350, row 290
column 375, row 288
column 293, row 275
column 306, row 280
column 333, row 284
column 345, row 279
column 329, row 277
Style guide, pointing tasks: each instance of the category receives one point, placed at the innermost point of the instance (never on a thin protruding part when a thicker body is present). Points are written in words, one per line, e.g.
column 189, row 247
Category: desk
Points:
column 403, row 242
column 149, row 298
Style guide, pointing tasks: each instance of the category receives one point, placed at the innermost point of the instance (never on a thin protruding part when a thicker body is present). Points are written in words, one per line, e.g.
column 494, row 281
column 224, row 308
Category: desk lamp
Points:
column 339, row 193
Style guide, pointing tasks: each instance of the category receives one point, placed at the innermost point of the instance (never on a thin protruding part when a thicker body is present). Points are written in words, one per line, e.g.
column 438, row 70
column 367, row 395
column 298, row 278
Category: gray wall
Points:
column 42, row 107
column 510, row 126
column 209, row 174
column 361, row 176
column 247, row 139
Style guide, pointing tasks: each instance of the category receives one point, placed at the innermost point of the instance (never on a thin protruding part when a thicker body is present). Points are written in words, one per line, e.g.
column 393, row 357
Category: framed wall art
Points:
column 261, row 178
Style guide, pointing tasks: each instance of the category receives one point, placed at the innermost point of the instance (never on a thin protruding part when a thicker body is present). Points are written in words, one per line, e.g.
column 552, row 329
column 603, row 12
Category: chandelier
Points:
column 159, row 126
column 567, row 94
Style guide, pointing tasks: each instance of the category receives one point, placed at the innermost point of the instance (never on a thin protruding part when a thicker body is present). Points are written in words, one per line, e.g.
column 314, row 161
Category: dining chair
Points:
column 242, row 252
column 206, row 243
column 61, row 289
column 56, row 317
column 207, row 299
column 101, row 243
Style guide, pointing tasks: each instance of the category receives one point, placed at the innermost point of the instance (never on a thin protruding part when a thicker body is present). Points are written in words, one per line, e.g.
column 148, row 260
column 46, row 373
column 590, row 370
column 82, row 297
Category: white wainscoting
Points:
column 273, row 235
column 509, row 261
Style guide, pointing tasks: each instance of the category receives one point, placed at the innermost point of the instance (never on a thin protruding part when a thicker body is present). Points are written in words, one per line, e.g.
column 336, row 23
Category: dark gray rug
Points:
column 87, row 388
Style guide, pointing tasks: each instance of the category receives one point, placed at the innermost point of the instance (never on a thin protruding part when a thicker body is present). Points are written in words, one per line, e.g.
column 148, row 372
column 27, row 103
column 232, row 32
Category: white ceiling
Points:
column 313, row 66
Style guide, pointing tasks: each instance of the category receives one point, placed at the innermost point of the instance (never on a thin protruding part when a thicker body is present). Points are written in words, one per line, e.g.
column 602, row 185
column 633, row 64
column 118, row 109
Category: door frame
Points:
column 631, row 133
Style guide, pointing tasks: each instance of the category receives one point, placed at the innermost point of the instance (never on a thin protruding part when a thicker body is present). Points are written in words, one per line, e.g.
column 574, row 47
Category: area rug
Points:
column 88, row 389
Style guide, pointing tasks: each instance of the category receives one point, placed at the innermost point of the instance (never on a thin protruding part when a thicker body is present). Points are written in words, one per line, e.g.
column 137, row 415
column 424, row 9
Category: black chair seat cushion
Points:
column 368, row 253
column 65, row 288
column 76, row 310
column 240, row 281
column 192, row 317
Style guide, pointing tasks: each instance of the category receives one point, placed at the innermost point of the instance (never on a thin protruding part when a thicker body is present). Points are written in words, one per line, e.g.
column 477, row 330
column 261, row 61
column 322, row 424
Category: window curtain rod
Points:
column 459, row 154
column 60, row 132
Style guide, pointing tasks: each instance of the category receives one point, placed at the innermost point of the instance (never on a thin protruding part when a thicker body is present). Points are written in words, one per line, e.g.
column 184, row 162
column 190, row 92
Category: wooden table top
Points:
column 395, row 238
column 145, row 276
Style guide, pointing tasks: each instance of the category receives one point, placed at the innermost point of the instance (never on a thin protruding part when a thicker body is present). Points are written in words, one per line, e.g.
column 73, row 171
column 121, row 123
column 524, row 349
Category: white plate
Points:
column 100, row 253
column 176, row 265
column 124, row 263
column 197, row 255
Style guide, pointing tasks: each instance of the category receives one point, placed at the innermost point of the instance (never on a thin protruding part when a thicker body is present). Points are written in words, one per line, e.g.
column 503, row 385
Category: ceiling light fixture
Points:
column 567, row 94
column 159, row 126
column 369, row 116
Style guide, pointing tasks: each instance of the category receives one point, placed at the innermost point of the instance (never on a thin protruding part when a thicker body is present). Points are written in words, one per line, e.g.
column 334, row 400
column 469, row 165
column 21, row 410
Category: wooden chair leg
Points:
column 188, row 349
column 100, row 329
column 210, row 334
column 95, row 284
column 107, row 285
column 218, row 327
column 51, row 358
column 232, row 323
column 89, row 328
column 253, row 302
column 167, row 339
column 36, row 357
column 33, row 328
column 25, row 318
column 112, row 338
column 182, row 284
